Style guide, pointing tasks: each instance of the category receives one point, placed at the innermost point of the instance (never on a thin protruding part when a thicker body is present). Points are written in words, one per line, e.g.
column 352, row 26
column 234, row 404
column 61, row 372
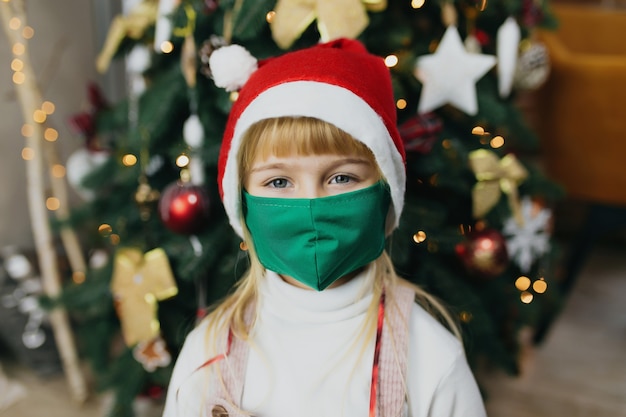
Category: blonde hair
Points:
column 302, row 136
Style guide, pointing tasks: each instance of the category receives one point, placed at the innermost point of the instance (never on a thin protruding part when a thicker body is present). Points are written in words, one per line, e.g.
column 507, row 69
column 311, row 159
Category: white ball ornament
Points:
column 231, row 66
column 138, row 59
column 193, row 132
column 80, row 164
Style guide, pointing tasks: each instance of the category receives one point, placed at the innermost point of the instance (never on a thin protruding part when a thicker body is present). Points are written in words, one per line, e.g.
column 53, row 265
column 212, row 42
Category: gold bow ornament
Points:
column 495, row 176
column 335, row 18
column 132, row 25
column 139, row 281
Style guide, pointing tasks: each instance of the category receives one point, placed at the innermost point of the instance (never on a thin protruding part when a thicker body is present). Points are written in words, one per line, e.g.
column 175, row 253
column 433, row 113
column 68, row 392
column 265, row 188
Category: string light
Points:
column 114, row 239
column 167, row 47
column 401, row 104
column 39, row 116
column 182, row 161
column 416, row 4
column 47, row 107
column 18, row 49
column 129, row 160
column 270, row 16
column 50, row 134
column 522, row 283
column 78, row 277
column 53, row 203
column 465, row 316
column 234, row 96
column 28, row 154
column 540, row 286
column 496, row 142
column 391, row 61
column 478, row 130
column 57, row 171
column 28, row 32
column 419, row 237
column 526, row 297
column 15, row 23
column 17, row 64
column 27, row 130
column 105, row 229
column 19, row 77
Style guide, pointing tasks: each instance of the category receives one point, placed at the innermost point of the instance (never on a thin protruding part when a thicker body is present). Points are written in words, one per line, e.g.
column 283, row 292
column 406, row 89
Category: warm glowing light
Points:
column 57, row 171
column 50, row 134
column 105, row 229
column 19, row 77
column 53, row 203
column 114, row 239
column 416, row 4
column 167, row 47
column 78, row 277
column 540, row 286
column 391, row 61
column 270, row 16
column 28, row 154
column 28, row 32
column 419, row 237
column 401, row 104
column 15, row 23
column 39, row 116
column 17, row 64
column 182, row 161
column 522, row 283
column 526, row 297
column 465, row 316
column 18, row 49
column 478, row 130
column 497, row 142
column 27, row 130
column 47, row 107
column 486, row 244
column 129, row 160
column 483, row 5
column 234, row 96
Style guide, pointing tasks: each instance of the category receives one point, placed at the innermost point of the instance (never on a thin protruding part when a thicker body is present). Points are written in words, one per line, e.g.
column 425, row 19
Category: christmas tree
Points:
column 476, row 229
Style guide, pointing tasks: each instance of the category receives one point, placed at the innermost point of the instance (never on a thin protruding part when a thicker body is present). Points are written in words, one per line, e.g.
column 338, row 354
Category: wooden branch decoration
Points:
column 31, row 100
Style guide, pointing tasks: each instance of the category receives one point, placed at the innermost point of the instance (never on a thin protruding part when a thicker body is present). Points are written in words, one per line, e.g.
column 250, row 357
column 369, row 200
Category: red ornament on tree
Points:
column 184, row 208
column 484, row 253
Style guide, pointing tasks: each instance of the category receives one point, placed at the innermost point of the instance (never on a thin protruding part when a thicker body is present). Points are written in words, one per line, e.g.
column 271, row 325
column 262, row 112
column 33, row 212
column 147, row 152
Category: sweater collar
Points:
column 297, row 304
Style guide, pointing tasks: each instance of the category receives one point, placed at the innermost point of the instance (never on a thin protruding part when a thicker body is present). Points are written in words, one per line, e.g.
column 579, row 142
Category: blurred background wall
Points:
column 67, row 35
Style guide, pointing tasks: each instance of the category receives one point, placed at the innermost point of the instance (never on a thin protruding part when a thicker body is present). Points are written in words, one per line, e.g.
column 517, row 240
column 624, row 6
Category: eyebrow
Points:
column 282, row 165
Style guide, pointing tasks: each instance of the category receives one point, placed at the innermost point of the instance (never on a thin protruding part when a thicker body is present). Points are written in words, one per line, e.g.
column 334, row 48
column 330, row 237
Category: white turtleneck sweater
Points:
column 308, row 359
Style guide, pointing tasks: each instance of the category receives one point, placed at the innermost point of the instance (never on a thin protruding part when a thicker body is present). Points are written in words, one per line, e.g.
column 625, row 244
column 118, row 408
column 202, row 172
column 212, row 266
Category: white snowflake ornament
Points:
column 527, row 241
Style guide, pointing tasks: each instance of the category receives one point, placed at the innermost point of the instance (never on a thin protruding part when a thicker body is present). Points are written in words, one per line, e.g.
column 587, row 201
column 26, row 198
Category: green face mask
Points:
column 317, row 241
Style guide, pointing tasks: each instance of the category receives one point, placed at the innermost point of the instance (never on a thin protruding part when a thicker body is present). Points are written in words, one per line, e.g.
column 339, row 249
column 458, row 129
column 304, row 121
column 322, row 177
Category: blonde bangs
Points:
column 286, row 136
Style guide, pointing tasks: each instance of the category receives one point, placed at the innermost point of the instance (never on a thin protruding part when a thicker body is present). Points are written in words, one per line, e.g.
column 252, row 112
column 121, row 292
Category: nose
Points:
column 311, row 189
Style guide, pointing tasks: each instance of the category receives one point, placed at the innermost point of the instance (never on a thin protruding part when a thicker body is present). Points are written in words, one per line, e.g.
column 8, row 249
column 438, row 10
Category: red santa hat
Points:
column 338, row 82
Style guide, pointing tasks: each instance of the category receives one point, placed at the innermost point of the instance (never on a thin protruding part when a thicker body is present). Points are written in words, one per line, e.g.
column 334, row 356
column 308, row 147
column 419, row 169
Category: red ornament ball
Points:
column 184, row 208
column 484, row 253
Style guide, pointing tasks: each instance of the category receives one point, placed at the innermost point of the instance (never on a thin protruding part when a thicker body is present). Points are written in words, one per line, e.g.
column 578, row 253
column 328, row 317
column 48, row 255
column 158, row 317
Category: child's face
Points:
column 312, row 176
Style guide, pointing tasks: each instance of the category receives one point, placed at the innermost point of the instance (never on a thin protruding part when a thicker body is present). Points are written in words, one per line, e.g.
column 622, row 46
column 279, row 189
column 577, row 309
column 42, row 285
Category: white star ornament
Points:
column 449, row 75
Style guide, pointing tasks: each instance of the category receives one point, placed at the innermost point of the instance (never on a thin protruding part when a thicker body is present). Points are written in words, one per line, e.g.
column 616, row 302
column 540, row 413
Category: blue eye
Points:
column 341, row 179
column 278, row 183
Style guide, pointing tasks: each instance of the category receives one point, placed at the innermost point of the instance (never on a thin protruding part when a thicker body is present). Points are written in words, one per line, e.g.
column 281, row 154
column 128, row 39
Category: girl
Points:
column 312, row 177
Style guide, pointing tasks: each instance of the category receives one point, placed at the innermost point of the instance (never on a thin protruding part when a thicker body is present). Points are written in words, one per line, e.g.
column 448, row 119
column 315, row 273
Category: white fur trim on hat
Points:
column 333, row 104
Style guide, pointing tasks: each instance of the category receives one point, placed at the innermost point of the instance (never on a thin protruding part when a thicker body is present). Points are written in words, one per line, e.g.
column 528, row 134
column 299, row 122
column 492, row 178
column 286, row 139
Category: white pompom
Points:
column 231, row 66
column 193, row 133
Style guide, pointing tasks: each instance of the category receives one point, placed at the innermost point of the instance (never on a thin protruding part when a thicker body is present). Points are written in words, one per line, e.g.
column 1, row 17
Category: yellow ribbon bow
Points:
column 495, row 176
column 139, row 281
column 132, row 26
column 335, row 18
